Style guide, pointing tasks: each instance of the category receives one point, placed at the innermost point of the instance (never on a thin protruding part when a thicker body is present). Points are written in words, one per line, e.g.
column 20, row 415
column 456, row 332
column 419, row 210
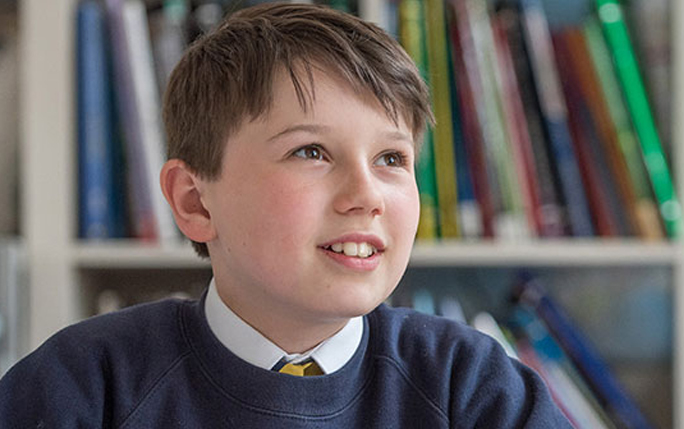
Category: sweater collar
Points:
column 269, row 391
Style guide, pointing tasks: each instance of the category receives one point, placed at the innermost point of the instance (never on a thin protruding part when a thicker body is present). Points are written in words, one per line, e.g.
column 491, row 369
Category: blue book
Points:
column 595, row 371
column 100, row 213
column 554, row 113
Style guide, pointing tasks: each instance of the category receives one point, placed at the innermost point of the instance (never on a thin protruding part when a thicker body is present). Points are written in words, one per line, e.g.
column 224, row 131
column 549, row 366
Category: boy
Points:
column 292, row 137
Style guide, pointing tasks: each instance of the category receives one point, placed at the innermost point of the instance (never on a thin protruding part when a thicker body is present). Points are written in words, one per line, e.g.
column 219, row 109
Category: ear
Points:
column 182, row 189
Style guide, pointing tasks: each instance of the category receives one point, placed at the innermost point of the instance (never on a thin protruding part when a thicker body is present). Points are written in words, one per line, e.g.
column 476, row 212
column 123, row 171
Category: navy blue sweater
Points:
column 159, row 366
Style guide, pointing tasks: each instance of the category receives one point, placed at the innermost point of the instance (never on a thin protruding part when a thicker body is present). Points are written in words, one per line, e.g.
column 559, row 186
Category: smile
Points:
column 360, row 250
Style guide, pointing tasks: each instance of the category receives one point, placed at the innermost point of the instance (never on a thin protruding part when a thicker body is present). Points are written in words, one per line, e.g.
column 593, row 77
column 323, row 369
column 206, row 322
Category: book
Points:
column 445, row 164
column 516, row 125
column 148, row 104
column 648, row 219
column 469, row 213
column 554, row 113
column 465, row 78
column 168, row 37
column 650, row 23
column 141, row 214
column 600, row 194
column 612, row 18
column 413, row 38
column 100, row 209
column 552, row 213
column 510, row 221
column 610, row 394
column 617, row 177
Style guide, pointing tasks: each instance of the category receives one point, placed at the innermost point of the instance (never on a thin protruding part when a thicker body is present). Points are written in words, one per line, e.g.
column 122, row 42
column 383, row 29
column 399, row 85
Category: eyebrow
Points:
column 309, row 128
column 398, row 135
column 320, row 129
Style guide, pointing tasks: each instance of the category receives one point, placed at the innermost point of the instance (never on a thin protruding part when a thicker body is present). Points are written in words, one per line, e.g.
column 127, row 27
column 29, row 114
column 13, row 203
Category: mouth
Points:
column 361, row 250
column 365, row 249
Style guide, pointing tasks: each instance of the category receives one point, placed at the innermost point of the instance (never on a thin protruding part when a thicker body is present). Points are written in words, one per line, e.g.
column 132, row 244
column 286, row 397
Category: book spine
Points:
column 589, row 159
column 469, row 213
column 551, row 211
column 589, row 87
column 653, row 43
column 554, row 112
column 97, row 217
column 413, row 38
column 615, row 29
column 465, row 79
column 647, row 212
column 445, row 163
column 514, row 115
column 168, row 37
column 148, row 107
column 140, row 203
column 510, row 222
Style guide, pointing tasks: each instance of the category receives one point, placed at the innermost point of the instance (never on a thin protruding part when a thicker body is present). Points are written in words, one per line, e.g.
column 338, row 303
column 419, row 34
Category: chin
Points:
column 354, row 305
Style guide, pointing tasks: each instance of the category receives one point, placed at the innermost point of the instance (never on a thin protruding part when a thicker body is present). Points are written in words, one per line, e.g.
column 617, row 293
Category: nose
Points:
column 359, row 192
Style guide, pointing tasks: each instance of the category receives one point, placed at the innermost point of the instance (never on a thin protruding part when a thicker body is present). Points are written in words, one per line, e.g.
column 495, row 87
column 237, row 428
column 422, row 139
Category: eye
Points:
column 391, row 159
column 312, row 151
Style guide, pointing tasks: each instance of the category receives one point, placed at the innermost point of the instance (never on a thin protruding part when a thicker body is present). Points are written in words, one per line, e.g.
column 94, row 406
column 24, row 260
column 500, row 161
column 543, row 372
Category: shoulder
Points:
column 122, row 353
column 152, row 325
column 409, row 335
column 465, row 373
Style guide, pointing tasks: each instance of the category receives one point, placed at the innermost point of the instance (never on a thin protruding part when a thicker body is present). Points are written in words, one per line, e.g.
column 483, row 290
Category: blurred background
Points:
column 547, row 188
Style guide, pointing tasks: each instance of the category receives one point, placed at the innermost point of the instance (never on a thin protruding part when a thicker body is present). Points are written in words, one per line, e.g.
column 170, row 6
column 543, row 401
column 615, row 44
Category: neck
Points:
column 292, row 335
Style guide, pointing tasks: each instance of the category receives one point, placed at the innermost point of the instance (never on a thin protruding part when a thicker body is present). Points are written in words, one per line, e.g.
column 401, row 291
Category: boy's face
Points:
column 299, row 191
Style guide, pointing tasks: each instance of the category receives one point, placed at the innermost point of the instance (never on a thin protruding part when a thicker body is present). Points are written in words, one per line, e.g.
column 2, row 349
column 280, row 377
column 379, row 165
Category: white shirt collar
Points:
column 251, row 346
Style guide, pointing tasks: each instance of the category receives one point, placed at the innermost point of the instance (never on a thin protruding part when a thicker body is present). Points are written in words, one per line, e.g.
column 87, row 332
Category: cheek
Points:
column 404, row 208
column 287, row 212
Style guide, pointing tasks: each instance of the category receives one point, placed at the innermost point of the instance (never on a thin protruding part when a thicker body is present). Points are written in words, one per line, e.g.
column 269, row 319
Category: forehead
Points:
column 301, row 91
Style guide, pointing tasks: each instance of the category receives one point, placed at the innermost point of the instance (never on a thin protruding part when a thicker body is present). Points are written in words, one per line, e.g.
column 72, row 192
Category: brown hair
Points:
column 226, row 76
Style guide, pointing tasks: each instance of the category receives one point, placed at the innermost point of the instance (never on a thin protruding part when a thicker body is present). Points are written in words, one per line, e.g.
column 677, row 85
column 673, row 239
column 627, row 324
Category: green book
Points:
column 615, row 29
column 413, row 38
column 445, row 163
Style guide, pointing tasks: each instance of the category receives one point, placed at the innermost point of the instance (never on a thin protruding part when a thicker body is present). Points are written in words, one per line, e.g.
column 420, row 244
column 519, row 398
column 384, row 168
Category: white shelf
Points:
column 126, row 254
column 541, row 253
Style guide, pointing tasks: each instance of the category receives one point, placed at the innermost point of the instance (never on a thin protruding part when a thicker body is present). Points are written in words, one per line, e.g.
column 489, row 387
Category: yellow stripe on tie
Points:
column 301, row 370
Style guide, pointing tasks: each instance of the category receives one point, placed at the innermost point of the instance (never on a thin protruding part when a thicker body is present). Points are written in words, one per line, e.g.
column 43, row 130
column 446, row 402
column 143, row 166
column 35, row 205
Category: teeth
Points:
column 350, row 249
column 361, row 250
column 364, row 250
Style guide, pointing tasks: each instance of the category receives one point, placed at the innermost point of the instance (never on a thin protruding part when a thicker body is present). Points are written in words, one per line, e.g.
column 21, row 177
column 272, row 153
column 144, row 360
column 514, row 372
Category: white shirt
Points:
column 250, row 345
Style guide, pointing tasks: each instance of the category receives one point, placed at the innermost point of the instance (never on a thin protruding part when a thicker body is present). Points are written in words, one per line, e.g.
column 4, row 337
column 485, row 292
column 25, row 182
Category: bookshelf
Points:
column 65, row 274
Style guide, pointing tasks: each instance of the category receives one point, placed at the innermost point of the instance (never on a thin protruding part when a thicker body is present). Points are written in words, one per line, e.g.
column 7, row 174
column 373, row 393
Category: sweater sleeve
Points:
column 489, row 389
column 60, row 385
